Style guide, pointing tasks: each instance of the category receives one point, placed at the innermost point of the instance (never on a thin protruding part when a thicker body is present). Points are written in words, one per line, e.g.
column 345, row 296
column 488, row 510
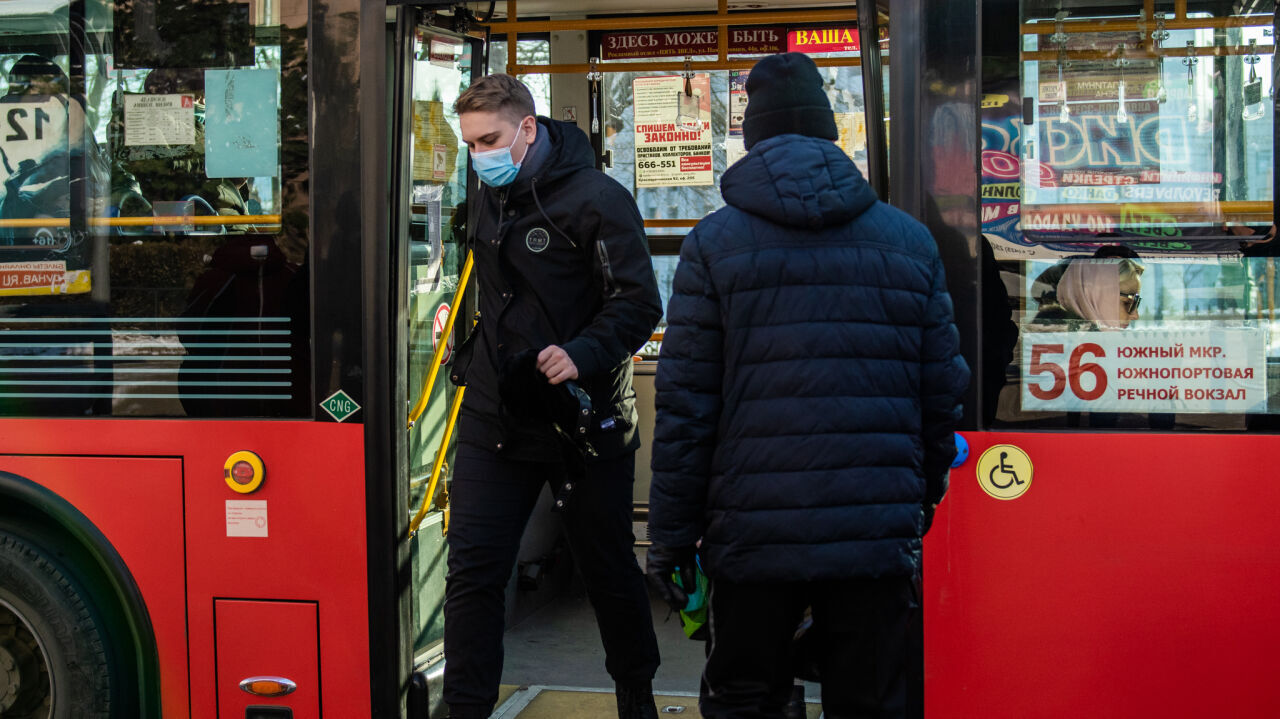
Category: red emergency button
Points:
column 244, row 472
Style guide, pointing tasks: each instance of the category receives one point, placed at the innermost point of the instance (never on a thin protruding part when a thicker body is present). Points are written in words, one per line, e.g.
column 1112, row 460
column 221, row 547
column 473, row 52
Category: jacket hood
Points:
column 568, row 150
column 798, row 181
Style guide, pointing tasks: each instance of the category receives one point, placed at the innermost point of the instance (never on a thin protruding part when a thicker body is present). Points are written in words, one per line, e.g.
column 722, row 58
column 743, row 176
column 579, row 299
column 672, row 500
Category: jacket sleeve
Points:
column 944, row 378
column 632, row 305
column 689, row 402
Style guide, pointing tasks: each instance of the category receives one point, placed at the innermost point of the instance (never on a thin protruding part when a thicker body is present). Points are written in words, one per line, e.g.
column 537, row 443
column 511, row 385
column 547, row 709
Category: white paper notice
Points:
column 159, row 120
column 246, row 518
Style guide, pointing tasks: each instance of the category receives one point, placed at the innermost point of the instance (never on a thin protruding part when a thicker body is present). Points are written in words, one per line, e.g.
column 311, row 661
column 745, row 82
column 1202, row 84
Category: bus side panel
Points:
column 137, row 505
column 313, row 551
column 1136, row 576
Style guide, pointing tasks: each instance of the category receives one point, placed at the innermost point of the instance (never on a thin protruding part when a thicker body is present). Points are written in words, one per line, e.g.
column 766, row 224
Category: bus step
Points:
column 544, row 702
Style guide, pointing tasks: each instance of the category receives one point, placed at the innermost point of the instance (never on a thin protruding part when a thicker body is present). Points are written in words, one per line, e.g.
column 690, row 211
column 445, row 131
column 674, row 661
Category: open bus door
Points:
column 554, row 664
column 430, row 66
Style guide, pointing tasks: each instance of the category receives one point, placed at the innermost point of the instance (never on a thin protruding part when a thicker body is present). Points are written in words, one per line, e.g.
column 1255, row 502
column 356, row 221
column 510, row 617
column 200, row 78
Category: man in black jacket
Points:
column 567, row 294
column 807, row 387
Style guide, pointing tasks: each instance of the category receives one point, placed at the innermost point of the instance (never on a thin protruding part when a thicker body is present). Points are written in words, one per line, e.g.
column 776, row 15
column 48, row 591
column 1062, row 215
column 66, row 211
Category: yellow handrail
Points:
column 434, row 368
column 439, row 463
column 144, row 221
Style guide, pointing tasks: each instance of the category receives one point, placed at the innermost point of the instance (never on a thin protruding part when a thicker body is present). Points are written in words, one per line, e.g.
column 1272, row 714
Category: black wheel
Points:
column 53, row 663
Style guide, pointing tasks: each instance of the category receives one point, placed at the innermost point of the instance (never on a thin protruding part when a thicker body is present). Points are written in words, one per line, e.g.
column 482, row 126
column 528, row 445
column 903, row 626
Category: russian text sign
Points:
column 682, row 43
column 1135, row 370
column 673, row 131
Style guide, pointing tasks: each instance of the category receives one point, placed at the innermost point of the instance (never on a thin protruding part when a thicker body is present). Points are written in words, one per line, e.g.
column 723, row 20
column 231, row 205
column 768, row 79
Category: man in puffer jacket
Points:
column 807, row 389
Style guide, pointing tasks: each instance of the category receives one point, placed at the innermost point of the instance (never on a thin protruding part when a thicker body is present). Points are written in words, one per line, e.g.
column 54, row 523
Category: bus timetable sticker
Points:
column 1218, row 370
column 1004, row 471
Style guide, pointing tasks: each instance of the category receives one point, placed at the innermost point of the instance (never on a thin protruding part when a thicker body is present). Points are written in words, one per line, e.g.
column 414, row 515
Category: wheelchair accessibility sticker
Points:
column 1004, row 471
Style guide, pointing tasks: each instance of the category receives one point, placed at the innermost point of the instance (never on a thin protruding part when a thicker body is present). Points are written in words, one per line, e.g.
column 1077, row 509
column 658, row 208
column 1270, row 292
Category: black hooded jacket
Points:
column 561, row 259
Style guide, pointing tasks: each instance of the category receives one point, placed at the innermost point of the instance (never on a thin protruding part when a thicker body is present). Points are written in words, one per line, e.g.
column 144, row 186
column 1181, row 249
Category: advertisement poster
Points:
column 820, row 40
column 1018, row 232
column 852, row 129
column 1108, row 135
column 159, row 120
column 734, row 143
column 673, row 131
column 1219, row 370
column 435, row 146
column 46, row 277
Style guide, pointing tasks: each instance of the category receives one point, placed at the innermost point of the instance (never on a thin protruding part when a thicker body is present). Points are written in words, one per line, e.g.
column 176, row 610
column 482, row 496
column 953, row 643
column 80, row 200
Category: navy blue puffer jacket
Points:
column 809, row 379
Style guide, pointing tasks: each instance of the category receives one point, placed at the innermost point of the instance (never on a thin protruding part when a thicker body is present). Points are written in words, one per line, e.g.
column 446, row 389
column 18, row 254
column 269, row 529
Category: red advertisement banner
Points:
column 680, row 43
column 826, row 39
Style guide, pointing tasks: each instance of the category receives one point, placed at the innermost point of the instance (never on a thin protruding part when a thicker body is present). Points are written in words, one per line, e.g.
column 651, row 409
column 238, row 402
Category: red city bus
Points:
column 231, row 238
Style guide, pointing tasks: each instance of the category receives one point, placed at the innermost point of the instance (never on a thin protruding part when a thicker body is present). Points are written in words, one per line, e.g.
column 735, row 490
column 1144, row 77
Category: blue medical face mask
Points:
column 496, row 168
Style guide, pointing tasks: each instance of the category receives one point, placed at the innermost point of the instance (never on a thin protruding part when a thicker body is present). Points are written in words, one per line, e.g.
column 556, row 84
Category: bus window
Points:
column 1128, row 175
column 153, row 214
column 528, row 52
column 670, row 140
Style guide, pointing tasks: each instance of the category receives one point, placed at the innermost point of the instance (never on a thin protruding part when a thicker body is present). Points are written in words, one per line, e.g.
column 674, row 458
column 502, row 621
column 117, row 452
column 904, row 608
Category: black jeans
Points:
column 867, row 643
column 491, row 499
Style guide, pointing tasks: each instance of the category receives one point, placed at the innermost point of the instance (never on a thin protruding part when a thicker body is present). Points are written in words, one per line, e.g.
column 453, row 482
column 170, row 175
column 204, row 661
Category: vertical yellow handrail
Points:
column 433, row 369
column 439, row 463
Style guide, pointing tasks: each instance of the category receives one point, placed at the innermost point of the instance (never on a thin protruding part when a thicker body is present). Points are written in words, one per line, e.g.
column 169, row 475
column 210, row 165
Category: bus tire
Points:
column 51, row 649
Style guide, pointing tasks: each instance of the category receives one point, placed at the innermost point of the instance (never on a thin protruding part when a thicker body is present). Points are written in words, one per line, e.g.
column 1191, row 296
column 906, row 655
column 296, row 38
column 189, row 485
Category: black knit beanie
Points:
column 785, row 95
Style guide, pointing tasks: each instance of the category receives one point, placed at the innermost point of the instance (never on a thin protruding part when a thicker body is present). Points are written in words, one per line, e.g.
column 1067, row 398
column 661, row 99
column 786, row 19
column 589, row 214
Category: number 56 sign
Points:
column 1218, row 370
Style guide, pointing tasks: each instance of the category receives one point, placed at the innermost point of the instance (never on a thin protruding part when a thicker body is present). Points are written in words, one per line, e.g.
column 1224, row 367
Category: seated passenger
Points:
column 1095, row 294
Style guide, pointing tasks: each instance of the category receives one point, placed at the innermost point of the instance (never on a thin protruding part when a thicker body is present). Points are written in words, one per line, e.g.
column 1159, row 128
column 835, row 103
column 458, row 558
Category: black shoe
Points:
column 635, row 701
column 795, row 708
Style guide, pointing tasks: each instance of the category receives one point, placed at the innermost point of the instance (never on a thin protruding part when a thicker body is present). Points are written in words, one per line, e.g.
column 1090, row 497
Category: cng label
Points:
column 340, row 406
column 1004, row 471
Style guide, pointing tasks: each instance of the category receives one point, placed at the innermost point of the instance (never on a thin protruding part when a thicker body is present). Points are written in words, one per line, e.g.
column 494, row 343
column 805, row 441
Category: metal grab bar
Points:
column 439, row 464
column 433, row 369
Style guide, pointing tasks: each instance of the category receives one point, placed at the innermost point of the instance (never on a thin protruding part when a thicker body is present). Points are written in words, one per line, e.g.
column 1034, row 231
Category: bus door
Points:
column 1109, row 536
column 613, row 76
column 429, row 176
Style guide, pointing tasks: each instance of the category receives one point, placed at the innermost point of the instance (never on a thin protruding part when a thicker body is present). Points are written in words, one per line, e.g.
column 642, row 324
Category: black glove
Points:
column 929, row 509
column 663, row 562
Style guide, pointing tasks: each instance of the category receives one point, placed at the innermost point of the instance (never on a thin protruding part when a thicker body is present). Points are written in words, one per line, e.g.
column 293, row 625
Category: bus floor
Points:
column 554, row 666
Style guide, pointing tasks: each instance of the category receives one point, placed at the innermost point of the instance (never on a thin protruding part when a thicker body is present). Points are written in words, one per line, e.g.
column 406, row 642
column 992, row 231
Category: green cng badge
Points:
column 340, row 406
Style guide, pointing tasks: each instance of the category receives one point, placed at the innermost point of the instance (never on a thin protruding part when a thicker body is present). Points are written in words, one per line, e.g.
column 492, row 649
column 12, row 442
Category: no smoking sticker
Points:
column 437, row 329
column 1004, row 472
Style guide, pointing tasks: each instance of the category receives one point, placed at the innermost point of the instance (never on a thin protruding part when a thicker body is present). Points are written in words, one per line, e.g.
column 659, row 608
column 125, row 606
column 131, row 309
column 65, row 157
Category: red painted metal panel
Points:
column 1135, row 577
column 314, row 550
column 275, row 639
column 137, row 505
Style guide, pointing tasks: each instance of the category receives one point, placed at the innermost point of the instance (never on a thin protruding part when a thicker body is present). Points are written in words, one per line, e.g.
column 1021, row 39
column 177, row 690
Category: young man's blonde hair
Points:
column 499, row 93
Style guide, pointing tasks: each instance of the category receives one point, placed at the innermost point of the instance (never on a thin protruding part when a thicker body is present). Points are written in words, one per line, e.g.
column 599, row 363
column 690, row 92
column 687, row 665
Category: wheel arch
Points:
column 47, row 519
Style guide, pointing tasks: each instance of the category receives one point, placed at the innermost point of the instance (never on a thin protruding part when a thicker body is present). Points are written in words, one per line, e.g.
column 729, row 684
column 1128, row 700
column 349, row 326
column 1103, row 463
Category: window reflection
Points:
column 1127, row 194
column 153, row 211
